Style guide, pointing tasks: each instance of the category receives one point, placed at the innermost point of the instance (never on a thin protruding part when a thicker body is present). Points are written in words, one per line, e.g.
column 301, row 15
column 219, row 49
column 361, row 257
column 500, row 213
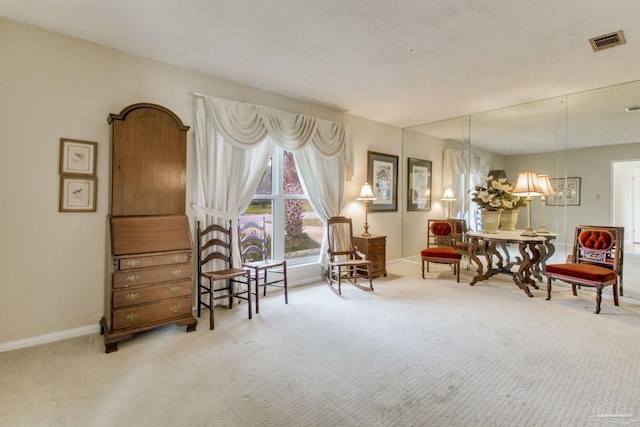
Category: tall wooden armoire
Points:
column 150, row 280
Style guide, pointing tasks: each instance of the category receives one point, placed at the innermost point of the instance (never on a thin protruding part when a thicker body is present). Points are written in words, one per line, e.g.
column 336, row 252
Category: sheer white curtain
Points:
column 234, row 142
column 457, row 165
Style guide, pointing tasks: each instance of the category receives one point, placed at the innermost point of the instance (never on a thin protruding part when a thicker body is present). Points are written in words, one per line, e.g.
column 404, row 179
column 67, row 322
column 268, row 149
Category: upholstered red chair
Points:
column 595, row 262
column 460, row 241
column 440, row 242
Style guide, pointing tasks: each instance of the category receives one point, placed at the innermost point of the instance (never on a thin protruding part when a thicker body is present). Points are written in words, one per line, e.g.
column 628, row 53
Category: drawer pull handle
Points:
column 176, row 272
column 131, row 317
column 133, row 296
column 176, row 258
column 133, row 262
column 176, row 289
column 175, row 308
column 132, row 278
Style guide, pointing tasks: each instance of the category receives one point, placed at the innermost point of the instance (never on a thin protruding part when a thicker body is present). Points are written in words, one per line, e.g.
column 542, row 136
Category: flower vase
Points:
column 490, row 221
column 509, row 219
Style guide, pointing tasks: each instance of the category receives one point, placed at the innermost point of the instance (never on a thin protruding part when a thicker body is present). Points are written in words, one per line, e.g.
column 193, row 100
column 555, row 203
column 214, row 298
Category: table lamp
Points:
column 366, row 196
column 448, row 197
column 547, row 190
column 527, row 186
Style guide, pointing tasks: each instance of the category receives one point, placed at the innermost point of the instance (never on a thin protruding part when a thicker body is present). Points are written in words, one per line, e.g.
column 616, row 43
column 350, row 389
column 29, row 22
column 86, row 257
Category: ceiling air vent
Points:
column 607, row 41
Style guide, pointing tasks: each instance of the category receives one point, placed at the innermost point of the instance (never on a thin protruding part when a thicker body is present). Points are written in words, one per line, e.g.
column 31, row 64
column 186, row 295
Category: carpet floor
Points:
column 413, row 353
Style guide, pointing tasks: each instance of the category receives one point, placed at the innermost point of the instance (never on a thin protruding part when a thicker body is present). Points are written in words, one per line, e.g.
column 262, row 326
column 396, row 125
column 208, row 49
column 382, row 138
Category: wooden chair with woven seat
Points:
column 346, row 262
column 214, row 245
column 595, row 262
column 254, row 249
column 440, row 246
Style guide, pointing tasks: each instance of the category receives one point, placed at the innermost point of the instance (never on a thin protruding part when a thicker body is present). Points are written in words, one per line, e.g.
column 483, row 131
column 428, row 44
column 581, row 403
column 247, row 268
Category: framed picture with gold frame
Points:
column 78, row 193
column 78, row 157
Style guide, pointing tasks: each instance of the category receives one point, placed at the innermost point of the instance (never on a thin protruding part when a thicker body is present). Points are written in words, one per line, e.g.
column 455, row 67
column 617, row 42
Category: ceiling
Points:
column 397, row 62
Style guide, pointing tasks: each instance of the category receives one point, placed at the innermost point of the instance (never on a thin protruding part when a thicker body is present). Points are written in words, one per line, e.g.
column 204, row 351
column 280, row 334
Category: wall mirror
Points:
column 588, row 135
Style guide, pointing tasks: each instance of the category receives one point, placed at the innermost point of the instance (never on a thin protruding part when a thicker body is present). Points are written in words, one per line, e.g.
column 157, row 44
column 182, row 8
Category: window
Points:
column 293, row 228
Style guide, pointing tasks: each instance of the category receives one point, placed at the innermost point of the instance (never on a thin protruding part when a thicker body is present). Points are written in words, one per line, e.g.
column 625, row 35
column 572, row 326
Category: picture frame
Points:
column 567, row 192
column 418, row 184
column 78, row 157
column 78, row 193
column 382, row 175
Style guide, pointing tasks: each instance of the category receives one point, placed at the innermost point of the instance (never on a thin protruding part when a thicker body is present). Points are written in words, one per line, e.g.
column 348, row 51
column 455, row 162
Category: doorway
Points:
column 626, row 212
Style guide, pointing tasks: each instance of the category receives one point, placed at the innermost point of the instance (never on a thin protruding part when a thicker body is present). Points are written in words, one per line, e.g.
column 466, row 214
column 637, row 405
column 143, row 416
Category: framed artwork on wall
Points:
column 78, row 193
column 567, row 192
column 418, row 185
column 382, row 175
column 78, row 157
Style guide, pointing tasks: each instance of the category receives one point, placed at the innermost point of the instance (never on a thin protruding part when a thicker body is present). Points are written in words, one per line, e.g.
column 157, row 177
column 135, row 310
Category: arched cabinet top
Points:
column 123, row 114
column 148, row 161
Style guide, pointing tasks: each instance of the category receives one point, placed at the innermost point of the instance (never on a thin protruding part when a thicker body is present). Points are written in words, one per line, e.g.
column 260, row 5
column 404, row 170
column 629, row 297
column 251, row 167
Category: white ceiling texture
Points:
column 400, row 62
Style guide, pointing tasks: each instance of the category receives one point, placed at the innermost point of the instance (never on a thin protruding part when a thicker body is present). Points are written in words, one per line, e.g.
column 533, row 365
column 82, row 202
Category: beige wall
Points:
column 52, row 265
column 381, row 138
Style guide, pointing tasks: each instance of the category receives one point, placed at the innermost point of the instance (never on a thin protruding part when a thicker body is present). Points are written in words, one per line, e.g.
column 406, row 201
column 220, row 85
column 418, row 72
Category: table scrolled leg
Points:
column 474, row 245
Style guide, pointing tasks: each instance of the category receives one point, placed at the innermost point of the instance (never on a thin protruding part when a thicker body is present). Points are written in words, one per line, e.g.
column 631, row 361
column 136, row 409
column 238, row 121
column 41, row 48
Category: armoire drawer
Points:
column 145, row 294
column 143, row 276
column 140, row 315
column 144, row 261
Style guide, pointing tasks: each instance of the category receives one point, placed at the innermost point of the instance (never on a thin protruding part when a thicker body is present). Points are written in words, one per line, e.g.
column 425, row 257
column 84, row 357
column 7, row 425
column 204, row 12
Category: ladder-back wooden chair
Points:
column 440, row 246
column 254, row 247
column 214, row 246
column 596, row 261
column 346, row 262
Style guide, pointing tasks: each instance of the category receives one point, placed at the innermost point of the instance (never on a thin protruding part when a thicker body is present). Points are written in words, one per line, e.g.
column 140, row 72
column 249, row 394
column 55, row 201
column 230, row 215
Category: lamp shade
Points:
column 366, row 193
column 545, row 185
column 448, row 195
column 527, row 185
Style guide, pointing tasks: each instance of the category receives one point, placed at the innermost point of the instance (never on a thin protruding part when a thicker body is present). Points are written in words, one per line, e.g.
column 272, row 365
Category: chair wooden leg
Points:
column 249, row 294
column 211, row 320
column 257, row 282
column 598, row 299
column 456, row 267
column 286, row 286
column 548, row 288
column 575, row 293
column 423, row 268
column 369, row 276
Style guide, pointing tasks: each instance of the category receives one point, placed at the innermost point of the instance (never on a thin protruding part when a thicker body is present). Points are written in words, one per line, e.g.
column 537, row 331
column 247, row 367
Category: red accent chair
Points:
column 596, row 262
column 440, row 246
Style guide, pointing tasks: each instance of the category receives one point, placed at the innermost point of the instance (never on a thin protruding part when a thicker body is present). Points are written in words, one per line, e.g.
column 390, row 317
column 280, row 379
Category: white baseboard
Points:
column 55, row 336
column 298, row 276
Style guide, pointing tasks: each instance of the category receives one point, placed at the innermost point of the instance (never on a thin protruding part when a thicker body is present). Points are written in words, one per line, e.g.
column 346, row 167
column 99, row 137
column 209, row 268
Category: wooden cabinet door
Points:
column 149, row 161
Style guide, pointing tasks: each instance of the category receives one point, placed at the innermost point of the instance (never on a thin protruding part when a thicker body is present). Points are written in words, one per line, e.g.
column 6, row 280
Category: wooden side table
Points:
column 374, row 247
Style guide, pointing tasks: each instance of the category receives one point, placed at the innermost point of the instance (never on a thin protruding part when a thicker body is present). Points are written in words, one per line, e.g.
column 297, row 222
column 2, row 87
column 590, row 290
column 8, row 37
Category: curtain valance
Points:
column 245, row 125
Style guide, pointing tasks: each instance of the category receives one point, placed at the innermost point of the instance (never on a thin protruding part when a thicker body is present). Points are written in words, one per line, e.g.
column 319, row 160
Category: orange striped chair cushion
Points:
column 440, row 253
column 583, row 271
